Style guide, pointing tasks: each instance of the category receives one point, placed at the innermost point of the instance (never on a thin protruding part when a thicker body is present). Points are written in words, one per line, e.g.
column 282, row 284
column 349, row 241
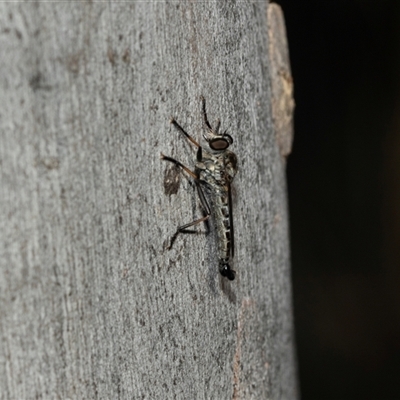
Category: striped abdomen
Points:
column 223, row 224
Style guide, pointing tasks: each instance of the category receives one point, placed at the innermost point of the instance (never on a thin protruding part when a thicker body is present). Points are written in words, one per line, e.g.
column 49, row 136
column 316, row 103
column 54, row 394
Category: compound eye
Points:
column 219, row 144
column 228, row 137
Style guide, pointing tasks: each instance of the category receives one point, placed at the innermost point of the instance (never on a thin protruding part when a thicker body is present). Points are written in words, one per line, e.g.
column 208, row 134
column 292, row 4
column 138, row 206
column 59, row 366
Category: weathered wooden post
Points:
column 92, row 304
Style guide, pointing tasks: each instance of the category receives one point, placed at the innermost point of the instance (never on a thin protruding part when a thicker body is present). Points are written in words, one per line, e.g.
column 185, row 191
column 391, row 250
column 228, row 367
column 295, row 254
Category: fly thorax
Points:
column 210, row 171
column 230, row 163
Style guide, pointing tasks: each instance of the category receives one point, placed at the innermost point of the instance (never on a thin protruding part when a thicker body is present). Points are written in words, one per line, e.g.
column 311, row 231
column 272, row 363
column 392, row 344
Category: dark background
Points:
column 344, row 196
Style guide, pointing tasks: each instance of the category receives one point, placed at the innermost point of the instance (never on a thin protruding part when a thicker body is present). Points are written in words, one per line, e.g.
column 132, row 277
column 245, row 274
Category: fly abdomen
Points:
column 224, row 234
column 226, row 270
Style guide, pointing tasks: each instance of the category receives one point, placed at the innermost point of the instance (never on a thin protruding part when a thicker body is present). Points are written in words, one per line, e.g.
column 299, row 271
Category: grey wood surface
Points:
column 92, row 306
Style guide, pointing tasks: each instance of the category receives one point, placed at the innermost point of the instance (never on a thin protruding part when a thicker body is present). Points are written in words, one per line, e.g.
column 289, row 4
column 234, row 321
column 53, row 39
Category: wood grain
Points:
column 91, row 305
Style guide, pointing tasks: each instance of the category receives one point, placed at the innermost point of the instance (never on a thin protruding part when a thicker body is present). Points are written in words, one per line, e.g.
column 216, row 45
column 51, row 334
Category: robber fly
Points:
column 215, row 169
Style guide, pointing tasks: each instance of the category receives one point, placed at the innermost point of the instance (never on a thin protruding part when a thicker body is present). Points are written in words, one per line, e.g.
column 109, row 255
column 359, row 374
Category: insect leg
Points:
column 218, row 126
column 179, row 164
column 180, row 129
column 183, row 228
column 204, row 203
column 203, row 199
column 203, row 101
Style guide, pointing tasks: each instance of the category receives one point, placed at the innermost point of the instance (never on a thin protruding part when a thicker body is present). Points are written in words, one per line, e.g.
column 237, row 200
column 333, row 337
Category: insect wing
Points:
column 232, row 235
